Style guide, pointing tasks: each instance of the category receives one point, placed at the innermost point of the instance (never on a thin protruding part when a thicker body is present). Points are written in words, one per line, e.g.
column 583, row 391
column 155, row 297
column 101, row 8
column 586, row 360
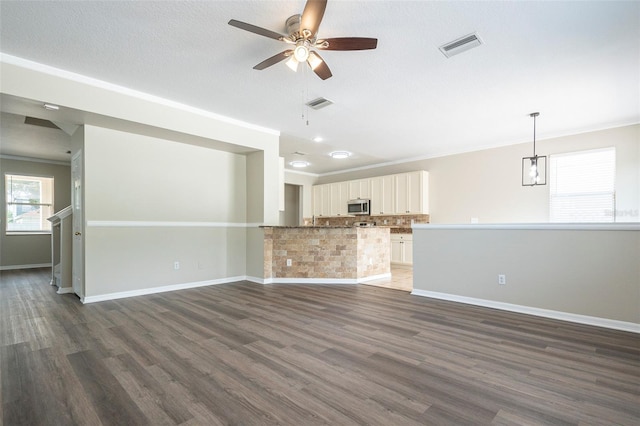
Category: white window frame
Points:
column 582, row 186
column 45, row 203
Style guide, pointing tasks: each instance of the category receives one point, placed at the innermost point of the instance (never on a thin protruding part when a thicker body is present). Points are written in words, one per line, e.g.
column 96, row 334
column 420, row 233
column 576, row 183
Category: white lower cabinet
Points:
column 402, row 249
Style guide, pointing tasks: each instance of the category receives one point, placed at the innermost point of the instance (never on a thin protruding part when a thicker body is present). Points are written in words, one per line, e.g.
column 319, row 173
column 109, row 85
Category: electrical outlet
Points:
column 176, row 265
column 288, row 262
column 502, row 279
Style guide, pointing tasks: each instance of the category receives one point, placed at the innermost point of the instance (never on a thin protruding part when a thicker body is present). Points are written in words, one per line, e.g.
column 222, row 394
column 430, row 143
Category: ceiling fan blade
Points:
column 312, row 16
column 256, row 30
column 273, row 60
column 347, row 43
column 318, row 65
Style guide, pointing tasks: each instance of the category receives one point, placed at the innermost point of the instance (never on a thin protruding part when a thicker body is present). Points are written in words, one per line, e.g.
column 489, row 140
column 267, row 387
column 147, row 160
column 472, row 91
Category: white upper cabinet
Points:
column 339, row 199
column 412, row 193
column 403, row 193
column 383, row 195
column 321, row 200
column 360, row 188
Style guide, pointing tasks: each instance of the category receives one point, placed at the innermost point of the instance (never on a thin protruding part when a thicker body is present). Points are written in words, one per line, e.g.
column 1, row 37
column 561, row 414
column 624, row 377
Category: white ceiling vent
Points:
column 460, row 45
column 319, row 103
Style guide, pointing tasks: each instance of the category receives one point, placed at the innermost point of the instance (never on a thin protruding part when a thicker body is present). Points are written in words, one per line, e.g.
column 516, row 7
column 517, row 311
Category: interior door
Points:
column 78, row 228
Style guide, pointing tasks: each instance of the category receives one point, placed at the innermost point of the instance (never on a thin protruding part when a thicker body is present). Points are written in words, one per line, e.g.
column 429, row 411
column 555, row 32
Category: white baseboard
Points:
column 374, row 277
column 559, row 315
column 31, row 266
column 153, row 290
column 317, row 280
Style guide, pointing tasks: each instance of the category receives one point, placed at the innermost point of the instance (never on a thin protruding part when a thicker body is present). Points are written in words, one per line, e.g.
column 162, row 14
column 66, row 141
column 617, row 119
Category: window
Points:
column 582, row 186
column 29, row 203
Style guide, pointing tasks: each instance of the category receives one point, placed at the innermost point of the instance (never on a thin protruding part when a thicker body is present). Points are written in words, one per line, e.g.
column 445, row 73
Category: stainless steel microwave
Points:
column 360, row 206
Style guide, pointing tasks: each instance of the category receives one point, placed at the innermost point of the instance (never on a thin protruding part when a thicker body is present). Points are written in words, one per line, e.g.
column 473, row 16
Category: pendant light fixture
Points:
column 534, row 169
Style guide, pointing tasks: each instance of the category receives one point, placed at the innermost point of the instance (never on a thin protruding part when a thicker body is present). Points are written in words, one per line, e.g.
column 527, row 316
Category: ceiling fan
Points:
column 303, row 37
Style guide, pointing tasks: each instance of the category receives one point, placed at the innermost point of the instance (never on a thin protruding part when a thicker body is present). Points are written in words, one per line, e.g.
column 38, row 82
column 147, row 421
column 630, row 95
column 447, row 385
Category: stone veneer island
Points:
column 326, row 254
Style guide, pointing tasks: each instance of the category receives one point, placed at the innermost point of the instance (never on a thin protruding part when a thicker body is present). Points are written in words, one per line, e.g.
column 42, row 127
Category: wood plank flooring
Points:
column 247, row 354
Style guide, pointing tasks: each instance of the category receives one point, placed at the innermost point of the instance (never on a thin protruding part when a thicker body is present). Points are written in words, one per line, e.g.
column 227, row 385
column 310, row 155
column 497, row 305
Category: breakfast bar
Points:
column 326, row 254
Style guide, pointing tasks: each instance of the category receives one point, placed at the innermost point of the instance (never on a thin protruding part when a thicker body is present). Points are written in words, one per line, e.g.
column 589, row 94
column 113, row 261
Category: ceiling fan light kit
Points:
column 303, row 33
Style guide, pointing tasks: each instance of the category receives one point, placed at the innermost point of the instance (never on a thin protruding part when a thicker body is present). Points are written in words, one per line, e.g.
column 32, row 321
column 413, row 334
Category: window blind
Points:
column 582, row 186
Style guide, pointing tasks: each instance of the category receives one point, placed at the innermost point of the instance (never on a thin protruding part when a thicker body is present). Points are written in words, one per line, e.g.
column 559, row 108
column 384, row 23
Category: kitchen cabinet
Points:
column 322, row 200
column 411, row 193
column 383, row 195
column 339, row 198
column 402, row 249
column 402, row 193
column 360, row 188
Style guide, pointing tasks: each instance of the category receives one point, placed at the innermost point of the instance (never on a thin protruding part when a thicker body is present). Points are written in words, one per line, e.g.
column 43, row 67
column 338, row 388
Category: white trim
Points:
column 31, row 266
column 300, row 172
column 162, row 224
column 310, row 281
column 35, row 160
column 546, row 313
column 277, row 280
column 620, row 226
column 65, row 290
column 154, row 290
column 79, row 78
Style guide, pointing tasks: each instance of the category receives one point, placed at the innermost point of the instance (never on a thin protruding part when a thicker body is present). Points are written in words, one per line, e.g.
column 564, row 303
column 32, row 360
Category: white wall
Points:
column 150, row 202
column 587, row 271
column 487, row 184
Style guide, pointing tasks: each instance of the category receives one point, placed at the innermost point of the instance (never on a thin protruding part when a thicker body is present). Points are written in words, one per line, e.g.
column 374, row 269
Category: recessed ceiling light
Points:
column 299, row 164
column 340, row 154
column 51, row 107
column 317, row 139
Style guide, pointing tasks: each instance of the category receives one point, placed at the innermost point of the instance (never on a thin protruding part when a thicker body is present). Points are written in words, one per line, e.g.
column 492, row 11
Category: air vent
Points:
column 460, row 45
column 319, row 103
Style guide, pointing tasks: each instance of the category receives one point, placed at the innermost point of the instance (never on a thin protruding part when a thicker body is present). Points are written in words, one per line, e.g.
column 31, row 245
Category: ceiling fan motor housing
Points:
column 293, row 26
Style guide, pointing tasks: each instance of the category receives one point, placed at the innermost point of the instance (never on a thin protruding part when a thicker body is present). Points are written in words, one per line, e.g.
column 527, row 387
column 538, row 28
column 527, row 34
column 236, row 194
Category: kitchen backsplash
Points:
column 400, row 221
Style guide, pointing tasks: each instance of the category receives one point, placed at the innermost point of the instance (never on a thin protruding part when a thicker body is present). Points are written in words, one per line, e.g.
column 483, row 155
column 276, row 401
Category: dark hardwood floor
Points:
column 246, row 354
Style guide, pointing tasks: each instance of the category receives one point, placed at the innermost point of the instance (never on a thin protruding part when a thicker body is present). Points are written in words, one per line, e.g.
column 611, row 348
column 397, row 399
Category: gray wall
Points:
column 291, row 205
column 583, row 272
column 18, row 251
column 150, row 202
column 486, row 184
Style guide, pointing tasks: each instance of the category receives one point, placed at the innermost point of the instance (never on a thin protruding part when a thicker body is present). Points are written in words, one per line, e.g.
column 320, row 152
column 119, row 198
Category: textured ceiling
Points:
column 578, row 63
